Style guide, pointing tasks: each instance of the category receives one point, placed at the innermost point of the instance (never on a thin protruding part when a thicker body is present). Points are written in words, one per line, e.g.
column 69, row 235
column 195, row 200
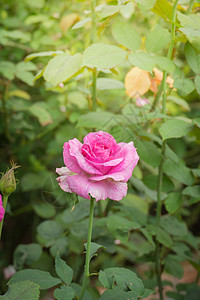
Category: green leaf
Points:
column 124, row 278
column 148, row 152
column 7, row 68
column 41, row 114
column 81, row 23
column 126, row 35
column 147, row 62
column 135, row 201
column 179, row 101
column 77, row 288
column 93, row 248
column 115, row 293
column 64, row 293
column 173, row 226
column 32, row 181
column 178, row 171
column 164, row 9
column 26, row 255
column 197, row 83
column 50, row 229
column 172, row 266
column 81, row 211
column 22, row 291
column 192, row 191
column 192, row 59
column 107, row 10
column 103, row 56
column 157, row 39
column 184, row 86
column 62, row 67
column 193, row 292
column 119, row 227
column 127, row 10
column 151, row 181
column 42, row 54
column 146, row 4
column 191, row 33
column 164, row 64
column 142, row 60
column 99, row 120
column 25, row 66
column 148, row 235
column 44, row 210
column 60, row 246
column 164, row 238
column 174, row 129
column 26, row 77
column 109, row 84
column 173, row 202
column 42, row 278
column 64, row 272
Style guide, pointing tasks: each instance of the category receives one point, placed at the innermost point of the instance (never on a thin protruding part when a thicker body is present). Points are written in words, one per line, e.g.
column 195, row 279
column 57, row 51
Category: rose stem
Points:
column 87, row 260
column 169, row 56
column 160, row 173
column 5, row 199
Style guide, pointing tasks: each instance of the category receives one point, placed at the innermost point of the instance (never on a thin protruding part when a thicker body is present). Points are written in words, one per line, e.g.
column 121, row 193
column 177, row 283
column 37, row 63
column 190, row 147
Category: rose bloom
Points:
column 2, row 210
column 100, row 167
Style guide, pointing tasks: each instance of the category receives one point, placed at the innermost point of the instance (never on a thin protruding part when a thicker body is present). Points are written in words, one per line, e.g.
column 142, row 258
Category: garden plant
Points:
column 100, row 149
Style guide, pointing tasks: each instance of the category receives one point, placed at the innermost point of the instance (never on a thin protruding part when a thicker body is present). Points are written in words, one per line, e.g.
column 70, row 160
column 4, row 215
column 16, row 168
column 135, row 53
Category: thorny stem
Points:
column 160, row 174
column 87, row 261
column 5, row 199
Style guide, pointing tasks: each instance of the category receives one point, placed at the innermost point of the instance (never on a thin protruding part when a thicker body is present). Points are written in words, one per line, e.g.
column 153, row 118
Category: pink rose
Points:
column 2, row 210
column 100, row 167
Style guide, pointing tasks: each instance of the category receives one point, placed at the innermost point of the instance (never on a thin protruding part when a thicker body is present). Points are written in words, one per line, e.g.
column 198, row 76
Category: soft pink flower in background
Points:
column 2, row 210
column 140, row 102
column 8, row 272
column 100, row 167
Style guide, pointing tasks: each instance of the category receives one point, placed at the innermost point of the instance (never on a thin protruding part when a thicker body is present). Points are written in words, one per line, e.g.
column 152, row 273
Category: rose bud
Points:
column 8, row 182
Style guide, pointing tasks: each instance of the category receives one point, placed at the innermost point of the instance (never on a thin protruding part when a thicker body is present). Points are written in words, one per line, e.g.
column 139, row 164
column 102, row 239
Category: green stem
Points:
column 87, row 260
column 5, row 200
column 169, row 56
column 94, row 39
column 160, row 173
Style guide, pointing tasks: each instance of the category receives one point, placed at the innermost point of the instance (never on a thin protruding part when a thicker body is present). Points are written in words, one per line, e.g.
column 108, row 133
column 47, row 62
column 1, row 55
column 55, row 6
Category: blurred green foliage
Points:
column 46, row 64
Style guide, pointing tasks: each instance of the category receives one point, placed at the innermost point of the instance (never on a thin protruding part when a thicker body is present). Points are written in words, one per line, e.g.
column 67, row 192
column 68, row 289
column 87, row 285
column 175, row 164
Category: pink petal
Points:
column 63, row 183
column 100, row 190
column 2, row 212
column 63, row 171
column 128, row 151
column 84, row 164
column 105, row 167
column 69, row 160
column 102, row 136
